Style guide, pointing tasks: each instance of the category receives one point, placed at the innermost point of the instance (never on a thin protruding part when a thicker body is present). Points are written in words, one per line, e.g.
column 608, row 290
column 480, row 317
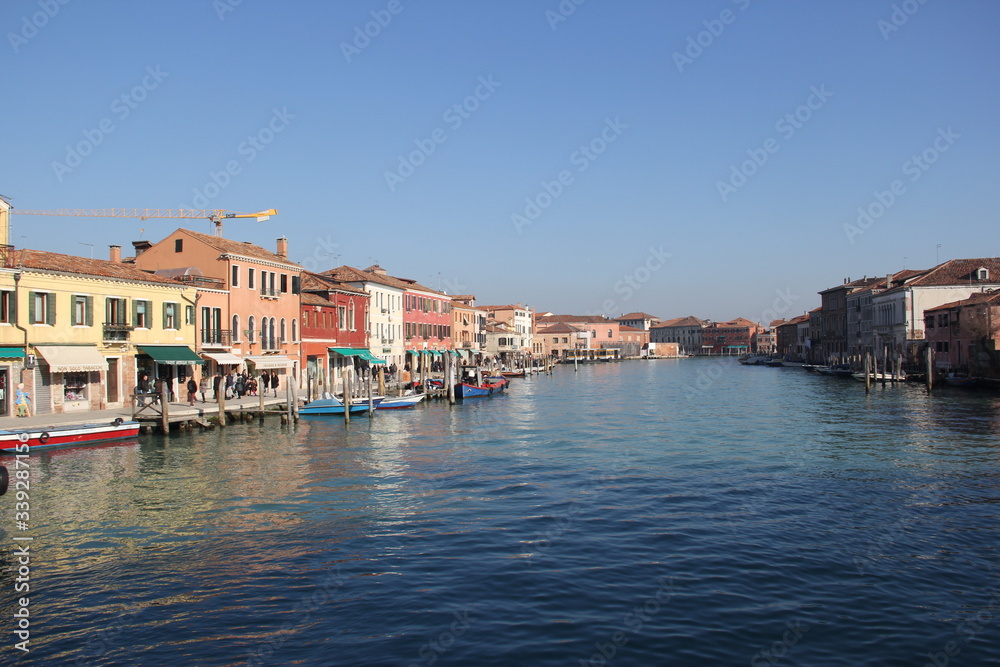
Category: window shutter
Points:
column 14, row 317
column 296, row 284
column 31, row 307
column 50, row 308
column 135, row 312
column 88, row 309
column 164, row 316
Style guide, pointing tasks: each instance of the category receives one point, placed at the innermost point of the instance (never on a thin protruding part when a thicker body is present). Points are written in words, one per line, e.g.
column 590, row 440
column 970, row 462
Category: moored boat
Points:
column 513, row 374
column 960, row 381
column 879, row 377
column 39, row 438
column 331, row 405
column 401, row 402
column 840, row 370
column 489, row 386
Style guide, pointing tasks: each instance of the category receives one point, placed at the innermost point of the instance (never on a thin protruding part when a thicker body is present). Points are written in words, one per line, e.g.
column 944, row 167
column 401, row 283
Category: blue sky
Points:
column 697, row 194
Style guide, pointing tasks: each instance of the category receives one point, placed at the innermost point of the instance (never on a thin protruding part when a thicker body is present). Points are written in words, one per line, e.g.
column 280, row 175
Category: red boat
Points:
column 32, row 439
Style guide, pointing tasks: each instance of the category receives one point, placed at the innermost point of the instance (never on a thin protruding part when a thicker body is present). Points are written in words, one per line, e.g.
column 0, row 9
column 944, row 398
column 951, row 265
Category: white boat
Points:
column 400, row 402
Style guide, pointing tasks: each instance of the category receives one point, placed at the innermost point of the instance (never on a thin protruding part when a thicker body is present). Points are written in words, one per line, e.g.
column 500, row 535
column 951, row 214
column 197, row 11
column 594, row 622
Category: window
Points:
column 250, row 329
column 235, row 281
column 114, row 311
column 236, row 328
column 83, row 310
column 929, row 322
column 41, row 308
column 250, row 273
column 350, row 317
column 189, row 315
column 284, row 283
column 6, row 307
column 982, row 273
column 178, row 245
column 341, row 317
column 141, row 312
column 295, row 332
column 282, row 332
column 296, row 284
column 271, row 289
column 170, row 316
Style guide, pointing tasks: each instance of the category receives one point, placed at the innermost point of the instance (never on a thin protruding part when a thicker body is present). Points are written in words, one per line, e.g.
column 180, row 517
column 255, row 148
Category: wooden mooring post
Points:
column 164, row 407
column 346, row 395
column 371, row 396
column 930, row 369
column 222, row 403
column 447, row 377
column 868, row 373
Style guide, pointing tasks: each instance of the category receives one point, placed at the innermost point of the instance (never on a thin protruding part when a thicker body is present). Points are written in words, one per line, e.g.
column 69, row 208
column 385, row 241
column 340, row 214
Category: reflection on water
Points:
column 541, row 518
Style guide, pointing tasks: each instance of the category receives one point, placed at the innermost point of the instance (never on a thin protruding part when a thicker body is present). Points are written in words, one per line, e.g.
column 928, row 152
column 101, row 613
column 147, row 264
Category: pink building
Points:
column 257, row 321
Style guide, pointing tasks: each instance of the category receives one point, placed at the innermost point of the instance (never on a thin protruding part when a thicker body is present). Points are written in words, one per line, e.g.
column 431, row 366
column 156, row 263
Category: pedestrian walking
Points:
column 274, row 382
column 216, row 383
column 192, row 388
column 203, row 387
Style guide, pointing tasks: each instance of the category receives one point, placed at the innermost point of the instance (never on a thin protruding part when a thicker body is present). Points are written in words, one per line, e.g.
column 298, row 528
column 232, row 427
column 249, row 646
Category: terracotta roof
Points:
column 320, row 283
column 637, row 316
column 959, row 272
column 561, row 327
column 979, row 298
column 102, row 268
column 310, row 299
column 244, row 248
column 350, row 274
column 689, row 321
column 738, row 322
column 588, row 319
column 506, row 307
column 627, row 328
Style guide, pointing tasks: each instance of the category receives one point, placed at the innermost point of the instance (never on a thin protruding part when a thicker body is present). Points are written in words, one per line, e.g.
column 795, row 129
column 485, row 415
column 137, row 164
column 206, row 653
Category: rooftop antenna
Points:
column 937, row 258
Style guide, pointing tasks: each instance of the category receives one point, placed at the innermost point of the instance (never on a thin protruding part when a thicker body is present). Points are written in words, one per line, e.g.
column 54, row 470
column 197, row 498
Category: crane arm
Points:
column 215, row 215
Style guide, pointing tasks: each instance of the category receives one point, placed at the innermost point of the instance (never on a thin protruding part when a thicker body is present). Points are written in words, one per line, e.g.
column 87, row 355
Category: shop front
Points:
column 172, row 364
column 11, row 362
column 75, row 378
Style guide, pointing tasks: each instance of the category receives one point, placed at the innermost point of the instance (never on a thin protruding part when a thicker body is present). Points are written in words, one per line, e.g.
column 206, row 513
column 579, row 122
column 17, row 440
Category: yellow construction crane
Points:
column 215, row 215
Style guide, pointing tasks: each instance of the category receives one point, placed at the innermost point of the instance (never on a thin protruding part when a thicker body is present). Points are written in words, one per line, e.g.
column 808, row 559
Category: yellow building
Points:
column 78, row 332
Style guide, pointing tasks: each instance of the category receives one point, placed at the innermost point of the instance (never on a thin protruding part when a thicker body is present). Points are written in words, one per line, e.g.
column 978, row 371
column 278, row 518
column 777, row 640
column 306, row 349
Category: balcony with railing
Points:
column 216, row 337
column 117, row 332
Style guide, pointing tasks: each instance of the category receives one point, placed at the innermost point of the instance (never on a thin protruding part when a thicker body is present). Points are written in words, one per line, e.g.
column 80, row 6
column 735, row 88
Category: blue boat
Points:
column 331, row 405
column 490, row 386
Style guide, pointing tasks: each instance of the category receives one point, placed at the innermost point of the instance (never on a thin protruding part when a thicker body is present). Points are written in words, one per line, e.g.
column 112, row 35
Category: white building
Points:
column 385, row 311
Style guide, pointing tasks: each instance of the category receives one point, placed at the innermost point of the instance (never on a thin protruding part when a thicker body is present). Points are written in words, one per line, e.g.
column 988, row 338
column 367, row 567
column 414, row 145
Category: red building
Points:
column 333, row 330
column 426, row 317
column 965, row 335
column 733, row 337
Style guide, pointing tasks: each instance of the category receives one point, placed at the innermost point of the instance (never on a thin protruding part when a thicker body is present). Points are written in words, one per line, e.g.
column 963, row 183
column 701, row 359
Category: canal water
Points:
column 690, row 512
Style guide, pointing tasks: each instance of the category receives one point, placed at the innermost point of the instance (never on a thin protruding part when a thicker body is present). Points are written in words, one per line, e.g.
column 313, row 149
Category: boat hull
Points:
column 35, row 439
column 463, row 390
column 401, row 402
column 334, row 406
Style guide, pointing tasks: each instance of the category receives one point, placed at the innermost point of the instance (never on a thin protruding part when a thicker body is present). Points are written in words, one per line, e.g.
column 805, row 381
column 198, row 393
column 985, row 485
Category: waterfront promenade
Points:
column 179, row 410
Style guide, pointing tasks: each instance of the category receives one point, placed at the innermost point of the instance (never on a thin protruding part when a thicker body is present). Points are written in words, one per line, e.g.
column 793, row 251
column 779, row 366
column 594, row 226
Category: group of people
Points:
column 234, row 385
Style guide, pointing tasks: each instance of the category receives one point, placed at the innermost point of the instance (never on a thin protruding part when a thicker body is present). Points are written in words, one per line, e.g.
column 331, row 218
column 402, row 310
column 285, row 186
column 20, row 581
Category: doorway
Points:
column 114, row 380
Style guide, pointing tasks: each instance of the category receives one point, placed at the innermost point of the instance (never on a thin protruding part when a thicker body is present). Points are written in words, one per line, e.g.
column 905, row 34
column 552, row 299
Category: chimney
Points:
column 283, row 248
column 141, row 247
column 116, row 253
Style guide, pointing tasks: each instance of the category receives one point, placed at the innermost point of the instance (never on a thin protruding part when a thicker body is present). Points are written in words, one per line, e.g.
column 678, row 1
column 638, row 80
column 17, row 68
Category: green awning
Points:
column 372, row 358
column 11, row 352
column 434, row 353
column 172, row 355
column 350, row 351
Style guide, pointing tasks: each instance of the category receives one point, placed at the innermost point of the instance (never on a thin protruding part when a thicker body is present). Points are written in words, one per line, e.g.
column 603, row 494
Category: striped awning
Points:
column 268, row 362
column 224, row 358
column 72, row 358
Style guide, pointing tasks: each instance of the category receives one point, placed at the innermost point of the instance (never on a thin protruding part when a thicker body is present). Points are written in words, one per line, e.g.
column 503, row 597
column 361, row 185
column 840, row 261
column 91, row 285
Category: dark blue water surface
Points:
column 689, row 512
